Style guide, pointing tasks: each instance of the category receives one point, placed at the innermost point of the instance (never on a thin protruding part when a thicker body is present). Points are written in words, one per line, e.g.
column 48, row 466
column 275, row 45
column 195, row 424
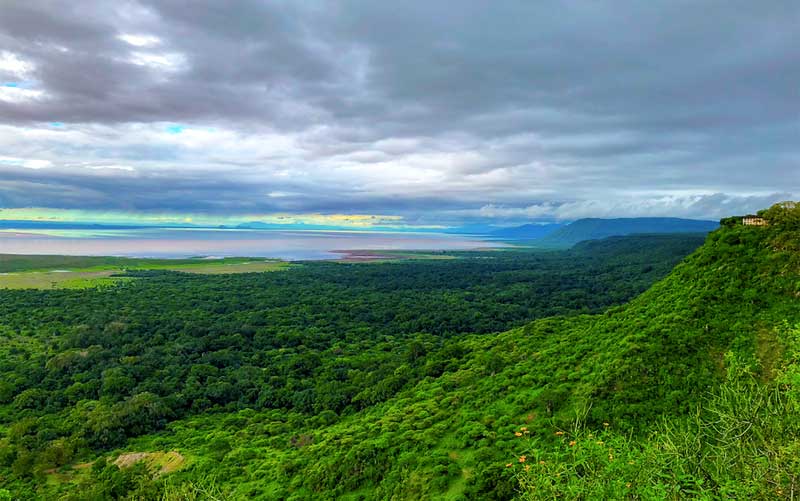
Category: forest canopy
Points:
column 412, row 379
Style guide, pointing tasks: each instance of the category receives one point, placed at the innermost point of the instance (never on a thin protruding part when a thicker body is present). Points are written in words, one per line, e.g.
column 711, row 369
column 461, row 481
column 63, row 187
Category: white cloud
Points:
column 140, row 40
column 12, row 64
column 164, row 61
column 111, row 167
column 293, row 106
column 493, row 211
column 19, row 94
column 28, row 163
column 709, row 205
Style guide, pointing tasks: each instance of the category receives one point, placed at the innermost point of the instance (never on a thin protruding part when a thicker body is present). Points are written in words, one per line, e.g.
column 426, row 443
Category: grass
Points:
column 84, row 272
column 158, row 463
column 10, row 263
column 215, row 266
column 67, row 272
column 56, row 280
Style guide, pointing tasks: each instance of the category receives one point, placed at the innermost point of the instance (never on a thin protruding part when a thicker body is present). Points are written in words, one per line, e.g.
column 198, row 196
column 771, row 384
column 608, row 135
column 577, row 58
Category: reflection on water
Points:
column 290, row 245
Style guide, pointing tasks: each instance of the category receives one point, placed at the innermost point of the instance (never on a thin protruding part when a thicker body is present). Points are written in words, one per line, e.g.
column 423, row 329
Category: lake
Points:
column 187, row 242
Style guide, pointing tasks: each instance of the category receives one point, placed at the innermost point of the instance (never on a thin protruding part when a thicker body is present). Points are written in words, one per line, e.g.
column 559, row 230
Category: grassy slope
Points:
column 451, row 436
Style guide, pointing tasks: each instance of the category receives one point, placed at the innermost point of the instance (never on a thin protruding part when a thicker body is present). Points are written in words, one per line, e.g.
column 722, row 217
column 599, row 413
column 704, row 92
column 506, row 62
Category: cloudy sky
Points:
column 434, row 112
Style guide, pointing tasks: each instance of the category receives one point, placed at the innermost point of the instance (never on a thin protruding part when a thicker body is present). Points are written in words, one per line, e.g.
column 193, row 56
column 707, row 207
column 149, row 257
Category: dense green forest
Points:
column 419, row 379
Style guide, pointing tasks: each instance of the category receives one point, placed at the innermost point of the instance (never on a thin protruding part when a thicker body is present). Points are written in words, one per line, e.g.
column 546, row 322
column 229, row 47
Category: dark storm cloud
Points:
column 198, row 191
column 414, row 107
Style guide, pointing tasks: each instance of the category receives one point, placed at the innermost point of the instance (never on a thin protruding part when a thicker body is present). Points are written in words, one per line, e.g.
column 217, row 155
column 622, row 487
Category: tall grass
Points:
column 201, row 489
column 742, row 442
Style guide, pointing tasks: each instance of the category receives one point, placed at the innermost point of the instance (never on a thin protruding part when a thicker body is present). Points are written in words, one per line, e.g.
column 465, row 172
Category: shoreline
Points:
column 364, row 256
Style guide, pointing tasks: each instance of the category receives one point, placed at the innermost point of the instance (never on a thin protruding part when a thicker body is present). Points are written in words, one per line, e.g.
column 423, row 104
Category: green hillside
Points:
column 684, row 348
column 688, row 391
column 594, row 228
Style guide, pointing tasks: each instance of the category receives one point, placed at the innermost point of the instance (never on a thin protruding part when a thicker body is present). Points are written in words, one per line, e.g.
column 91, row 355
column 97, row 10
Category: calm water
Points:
column 174, row 243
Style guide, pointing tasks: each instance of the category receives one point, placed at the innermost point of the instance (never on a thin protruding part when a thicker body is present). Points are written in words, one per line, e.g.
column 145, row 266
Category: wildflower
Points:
column 572, row 443
column 541, row 463
column 523, row 428
column 599, row 442
column 522, row 459
column 606, row 425
column 509, row 465
column 628, row 485
column 559, row 433
column 518, row 434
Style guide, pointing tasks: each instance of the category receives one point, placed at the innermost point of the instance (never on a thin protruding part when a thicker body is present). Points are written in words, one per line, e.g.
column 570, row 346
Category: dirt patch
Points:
column 161, row 463
column 356, row 256
column 130, row 459
column 369, row 256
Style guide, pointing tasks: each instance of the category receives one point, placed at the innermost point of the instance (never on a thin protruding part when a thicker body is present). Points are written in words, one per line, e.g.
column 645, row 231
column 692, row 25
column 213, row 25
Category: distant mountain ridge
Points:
column 526, row 231
column 596, row 228
column 16, row 224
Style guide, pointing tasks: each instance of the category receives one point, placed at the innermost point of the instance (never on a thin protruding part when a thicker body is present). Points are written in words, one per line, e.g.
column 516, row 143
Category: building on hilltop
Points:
column 754, row 221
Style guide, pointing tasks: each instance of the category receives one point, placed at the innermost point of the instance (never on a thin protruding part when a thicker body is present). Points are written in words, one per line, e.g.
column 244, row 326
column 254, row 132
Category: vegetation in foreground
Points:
column 687, row 391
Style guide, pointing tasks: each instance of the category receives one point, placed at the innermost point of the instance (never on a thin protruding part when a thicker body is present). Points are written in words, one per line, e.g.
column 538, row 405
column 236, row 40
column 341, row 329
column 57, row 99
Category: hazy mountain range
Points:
column 557, row 235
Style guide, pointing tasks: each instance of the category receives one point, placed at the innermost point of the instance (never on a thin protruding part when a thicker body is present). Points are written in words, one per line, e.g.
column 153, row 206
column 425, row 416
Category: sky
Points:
column 416, row 113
